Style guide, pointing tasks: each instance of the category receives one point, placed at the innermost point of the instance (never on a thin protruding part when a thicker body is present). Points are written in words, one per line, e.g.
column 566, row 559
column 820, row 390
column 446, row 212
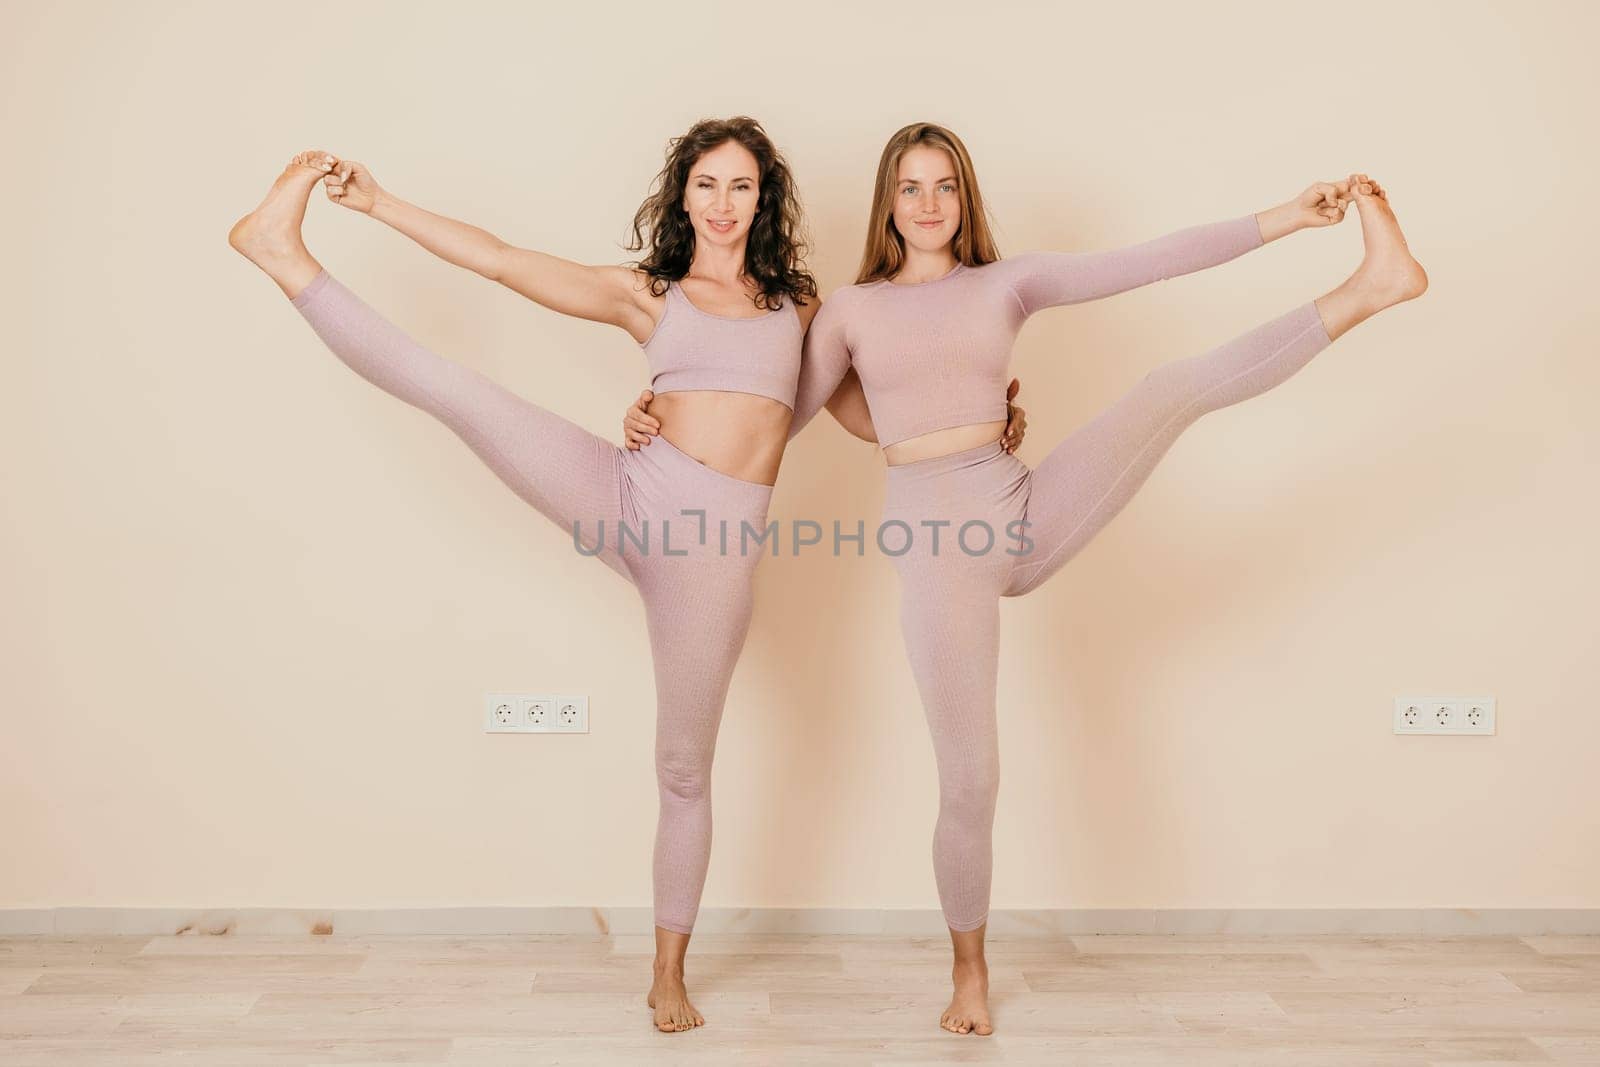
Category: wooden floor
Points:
column 798, row 999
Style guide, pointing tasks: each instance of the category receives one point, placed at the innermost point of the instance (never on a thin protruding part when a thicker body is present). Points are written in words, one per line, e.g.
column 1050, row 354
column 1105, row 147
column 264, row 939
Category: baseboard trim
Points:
column 1018, row 923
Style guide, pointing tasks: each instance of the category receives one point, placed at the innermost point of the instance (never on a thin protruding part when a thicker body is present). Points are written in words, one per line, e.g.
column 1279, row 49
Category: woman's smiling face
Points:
column 721, row 195
column 927, row 198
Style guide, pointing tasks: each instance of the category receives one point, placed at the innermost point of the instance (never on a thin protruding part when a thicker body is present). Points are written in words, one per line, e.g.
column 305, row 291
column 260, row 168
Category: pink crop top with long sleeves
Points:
column 937, row 355
column 694, row 349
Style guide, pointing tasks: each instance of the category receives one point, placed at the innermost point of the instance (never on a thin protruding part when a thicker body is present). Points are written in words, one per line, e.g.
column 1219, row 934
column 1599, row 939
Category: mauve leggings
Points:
column 697, row 605
column 950, row 599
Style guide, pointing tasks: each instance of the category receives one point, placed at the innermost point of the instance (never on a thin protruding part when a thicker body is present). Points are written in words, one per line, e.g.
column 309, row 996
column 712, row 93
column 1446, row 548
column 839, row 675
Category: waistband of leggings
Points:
column 702, row 484
column 968, row 459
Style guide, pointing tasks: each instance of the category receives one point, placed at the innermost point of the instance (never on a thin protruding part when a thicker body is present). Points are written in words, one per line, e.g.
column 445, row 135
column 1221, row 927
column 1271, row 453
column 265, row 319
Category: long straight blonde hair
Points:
column 885, row 252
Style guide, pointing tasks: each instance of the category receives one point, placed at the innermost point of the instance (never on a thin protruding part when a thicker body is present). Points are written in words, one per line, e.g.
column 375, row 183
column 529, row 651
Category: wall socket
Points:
column 1444, row 715
column 521, row 713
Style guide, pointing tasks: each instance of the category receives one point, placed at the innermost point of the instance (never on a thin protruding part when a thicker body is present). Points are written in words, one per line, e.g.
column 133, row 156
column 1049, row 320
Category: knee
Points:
column 970, row 792
column 683, row 777
column 1176, row 386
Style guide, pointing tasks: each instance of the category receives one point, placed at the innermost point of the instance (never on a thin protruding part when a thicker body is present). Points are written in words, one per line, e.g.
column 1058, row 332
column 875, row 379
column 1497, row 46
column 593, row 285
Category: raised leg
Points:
column 1088, row 478
column 567, row 473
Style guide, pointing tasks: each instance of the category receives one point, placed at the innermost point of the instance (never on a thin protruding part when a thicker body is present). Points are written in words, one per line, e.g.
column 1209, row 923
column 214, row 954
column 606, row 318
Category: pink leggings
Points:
column 697, row 598
column 950, row 588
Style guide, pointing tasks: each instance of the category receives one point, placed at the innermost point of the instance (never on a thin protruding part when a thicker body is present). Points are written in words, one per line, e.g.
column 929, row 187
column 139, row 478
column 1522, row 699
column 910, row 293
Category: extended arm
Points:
column 1049, row 279
column 598, row 293
column 601, row 294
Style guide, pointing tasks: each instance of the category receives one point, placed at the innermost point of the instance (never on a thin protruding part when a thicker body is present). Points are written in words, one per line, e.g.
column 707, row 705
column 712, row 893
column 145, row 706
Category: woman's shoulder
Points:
column 833, row 314
column 847, row 297
column 845, row 301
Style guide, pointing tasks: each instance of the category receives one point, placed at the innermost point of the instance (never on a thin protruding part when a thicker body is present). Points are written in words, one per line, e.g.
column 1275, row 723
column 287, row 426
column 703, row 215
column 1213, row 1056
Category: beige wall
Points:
column 251, row 603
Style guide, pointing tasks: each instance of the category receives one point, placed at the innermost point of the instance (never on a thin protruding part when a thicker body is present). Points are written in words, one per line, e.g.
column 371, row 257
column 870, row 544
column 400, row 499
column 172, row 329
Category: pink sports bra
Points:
column 694, row 349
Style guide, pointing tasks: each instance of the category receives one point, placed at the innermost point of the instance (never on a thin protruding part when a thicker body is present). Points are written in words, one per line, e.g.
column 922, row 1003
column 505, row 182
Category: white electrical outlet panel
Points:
column 523, row 713
column 1444, row 715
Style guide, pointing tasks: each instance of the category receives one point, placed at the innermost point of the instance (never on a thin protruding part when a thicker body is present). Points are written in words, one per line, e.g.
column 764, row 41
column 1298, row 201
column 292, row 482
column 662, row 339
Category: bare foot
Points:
column 968, row 1012
column 671, row 1001
column 270, row 235
column 1388, row 273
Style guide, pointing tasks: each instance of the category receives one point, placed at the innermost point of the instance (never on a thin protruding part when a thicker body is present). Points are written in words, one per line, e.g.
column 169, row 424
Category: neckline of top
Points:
column 951, row 273
column 712, row 315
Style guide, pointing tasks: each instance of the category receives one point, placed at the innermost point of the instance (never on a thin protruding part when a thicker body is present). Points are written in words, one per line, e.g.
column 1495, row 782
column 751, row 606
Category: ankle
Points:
column 668, row 969
column 1352, row 303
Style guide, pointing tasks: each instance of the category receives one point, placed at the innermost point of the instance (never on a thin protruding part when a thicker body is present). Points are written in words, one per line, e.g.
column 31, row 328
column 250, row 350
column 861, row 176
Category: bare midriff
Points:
column 741, row 435
column 942, row 442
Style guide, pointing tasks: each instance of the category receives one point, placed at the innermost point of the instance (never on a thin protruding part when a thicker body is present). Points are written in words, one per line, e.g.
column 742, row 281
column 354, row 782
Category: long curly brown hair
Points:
column 775, row 246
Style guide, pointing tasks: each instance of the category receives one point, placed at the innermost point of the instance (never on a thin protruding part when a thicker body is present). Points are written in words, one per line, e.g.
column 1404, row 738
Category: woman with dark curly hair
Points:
column 720, row 303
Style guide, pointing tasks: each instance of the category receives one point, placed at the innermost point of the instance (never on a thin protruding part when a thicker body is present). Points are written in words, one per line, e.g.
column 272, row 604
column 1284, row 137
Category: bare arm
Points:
column 601, row 294
column 453, row 241
column 597, row 293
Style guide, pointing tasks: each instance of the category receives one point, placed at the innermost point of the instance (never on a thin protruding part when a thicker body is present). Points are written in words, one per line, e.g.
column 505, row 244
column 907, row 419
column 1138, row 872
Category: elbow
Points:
column 492, row 264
